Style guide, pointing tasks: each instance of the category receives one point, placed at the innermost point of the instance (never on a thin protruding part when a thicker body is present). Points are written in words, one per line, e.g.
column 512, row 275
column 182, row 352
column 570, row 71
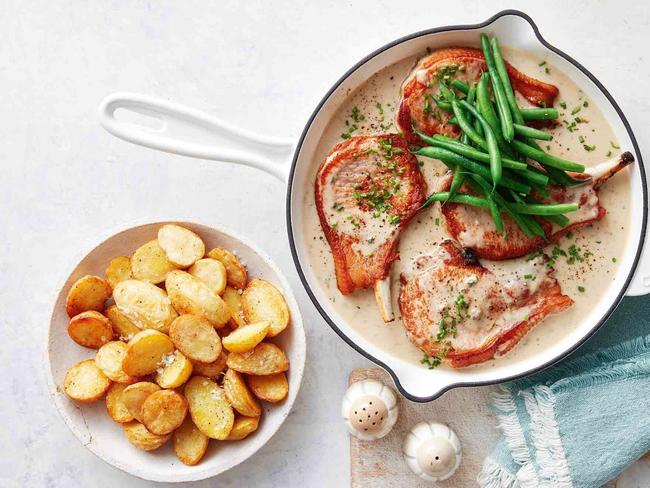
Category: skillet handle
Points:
column 189, row 132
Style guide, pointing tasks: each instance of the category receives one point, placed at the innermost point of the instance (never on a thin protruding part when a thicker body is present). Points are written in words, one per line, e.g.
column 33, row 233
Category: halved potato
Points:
column 85, row 382
column 211, row 272
column 115, row 406
column 190, row 443
column 189, row 295
column 174, row 374
column 236, row 273
column 182, row 246
column 260, row 301
column 87, row 293
column 264, row 359
column 272, row 388
column 145, row 352
column 150, row 263
column 134, row 396
column 109, row 359
column 164, row 411
column 90, row 329
column 213, row 369
column 232, row 297
column 209, row 408
column 140, row 437
column 246, row 337
column 123, row 328
column 242, row 427
column 144, row 304
column 195, row 337
column 238, row 395
column 118, row 269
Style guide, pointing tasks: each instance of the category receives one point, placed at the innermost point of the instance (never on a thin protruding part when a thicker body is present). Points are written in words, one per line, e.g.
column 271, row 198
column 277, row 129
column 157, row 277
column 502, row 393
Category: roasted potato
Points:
column 134, row 396
column 236, row 273
column 140, row 437
column 145, row 352
column 195, row 337
column 211, row 272
column 271, row 388
column 163, row 411
column 182, row 246
column 175, row 373
column 115, row 406
column 150, row 263
column 85, row 382
column 238, row 395
column 232, row 297
column 209, row 408
column 189, row 295
column 123, row 328
column 211, row 370
column 109, row 359
column 261, row 301
column 90, row 329
column 144, row 304
column 242, row 427
column 190, row 443
column 246, row 337
column 87, row 293
column 118, row 269
column 264, row 359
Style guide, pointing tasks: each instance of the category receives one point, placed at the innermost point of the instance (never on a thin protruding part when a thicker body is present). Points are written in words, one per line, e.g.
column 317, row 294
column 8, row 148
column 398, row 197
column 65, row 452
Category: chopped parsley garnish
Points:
column 581, row 289
column 581, row 139
column 338, row 206
column 393, row 219
column 355, row 223
column 437, row 221
column 542, row 63
column 563, row 105
column 575, row 110
column 589, row 148
column 351, row 129
column 614, row 145
column 530, row 277
column 585, row 104
column 356, row 115
column 576, row 256
column 547, row 70
column 613, row 260
column 380, row 109
column 609, row 153
column 534, row 255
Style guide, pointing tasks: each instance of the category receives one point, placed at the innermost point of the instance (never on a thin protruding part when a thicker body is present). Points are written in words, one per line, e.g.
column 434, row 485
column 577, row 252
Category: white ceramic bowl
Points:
column 104, row 437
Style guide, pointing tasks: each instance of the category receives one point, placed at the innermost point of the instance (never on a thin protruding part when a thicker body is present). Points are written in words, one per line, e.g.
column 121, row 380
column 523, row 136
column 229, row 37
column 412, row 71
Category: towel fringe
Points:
column 549, row 450
column 493, row 475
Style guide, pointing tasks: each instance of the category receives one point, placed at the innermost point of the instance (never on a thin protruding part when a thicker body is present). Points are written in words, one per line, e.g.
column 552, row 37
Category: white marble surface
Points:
column 262, row 64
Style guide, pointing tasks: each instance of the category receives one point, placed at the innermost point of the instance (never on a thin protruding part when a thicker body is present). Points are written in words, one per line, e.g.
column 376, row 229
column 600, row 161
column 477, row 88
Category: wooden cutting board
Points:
column 380, row 464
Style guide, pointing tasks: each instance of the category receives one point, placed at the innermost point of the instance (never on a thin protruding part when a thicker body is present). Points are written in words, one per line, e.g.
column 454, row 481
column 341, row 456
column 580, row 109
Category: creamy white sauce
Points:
column 605, row 240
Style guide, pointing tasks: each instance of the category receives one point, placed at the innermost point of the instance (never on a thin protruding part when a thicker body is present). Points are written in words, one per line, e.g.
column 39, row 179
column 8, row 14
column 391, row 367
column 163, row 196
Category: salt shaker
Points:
column 432, row 451
column 369, row 409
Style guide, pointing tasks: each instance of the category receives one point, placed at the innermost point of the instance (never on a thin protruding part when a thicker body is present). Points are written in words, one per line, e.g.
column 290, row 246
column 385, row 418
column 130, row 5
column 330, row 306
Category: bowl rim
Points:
column 297, row 367
column 325, row 100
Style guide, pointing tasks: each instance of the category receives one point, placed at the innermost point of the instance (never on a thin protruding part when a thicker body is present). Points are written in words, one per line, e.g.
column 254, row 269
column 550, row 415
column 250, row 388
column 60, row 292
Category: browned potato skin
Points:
column 236, row 273
column 75, row 383
column 196, row 338
column 232, row 297
column 181, row 245
column 243, row 427
column 190, row 443
column 118, row 269
column 87, row 293
column 115, row 406
column 239, row 396
column 150, row 263
column 90, row 329
column 164, row 411
column 140, row 360
column 211, row 370
column 109, row 359
column 140, row 437
column 262, row 300
column 190, row 295
column 266, row 358
column 135, row 395
column 123, row 328
column 272, row 388
column 210, row 410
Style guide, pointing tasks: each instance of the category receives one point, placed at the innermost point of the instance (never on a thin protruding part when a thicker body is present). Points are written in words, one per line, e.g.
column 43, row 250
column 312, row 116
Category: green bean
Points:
column 453, row 159
column 560, row 177
column 457, row 181
column 547, row 159
column 502, row 72
column 539, row 113
column 486, row 109
column 541, row 189
column 534, row 226
column 446, row 92
column 501, row 202
column 467, row 128
column 544, row 209
column 472, row 153
column 471, row 93
column 453, row 120
column 460, row 85
column 499, row 92
column 560, row 220
column 446, row 106
column 493, row 147
column 494, row 210
column 444, row 196
column 531, row 132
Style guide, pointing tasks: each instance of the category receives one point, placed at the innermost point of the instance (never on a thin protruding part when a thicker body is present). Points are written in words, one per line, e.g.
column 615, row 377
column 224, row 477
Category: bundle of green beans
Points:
column 495, row 143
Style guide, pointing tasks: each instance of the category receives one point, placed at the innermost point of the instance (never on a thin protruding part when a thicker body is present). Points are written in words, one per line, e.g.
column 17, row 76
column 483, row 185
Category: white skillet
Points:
column 183, row 126
column 91, row 423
